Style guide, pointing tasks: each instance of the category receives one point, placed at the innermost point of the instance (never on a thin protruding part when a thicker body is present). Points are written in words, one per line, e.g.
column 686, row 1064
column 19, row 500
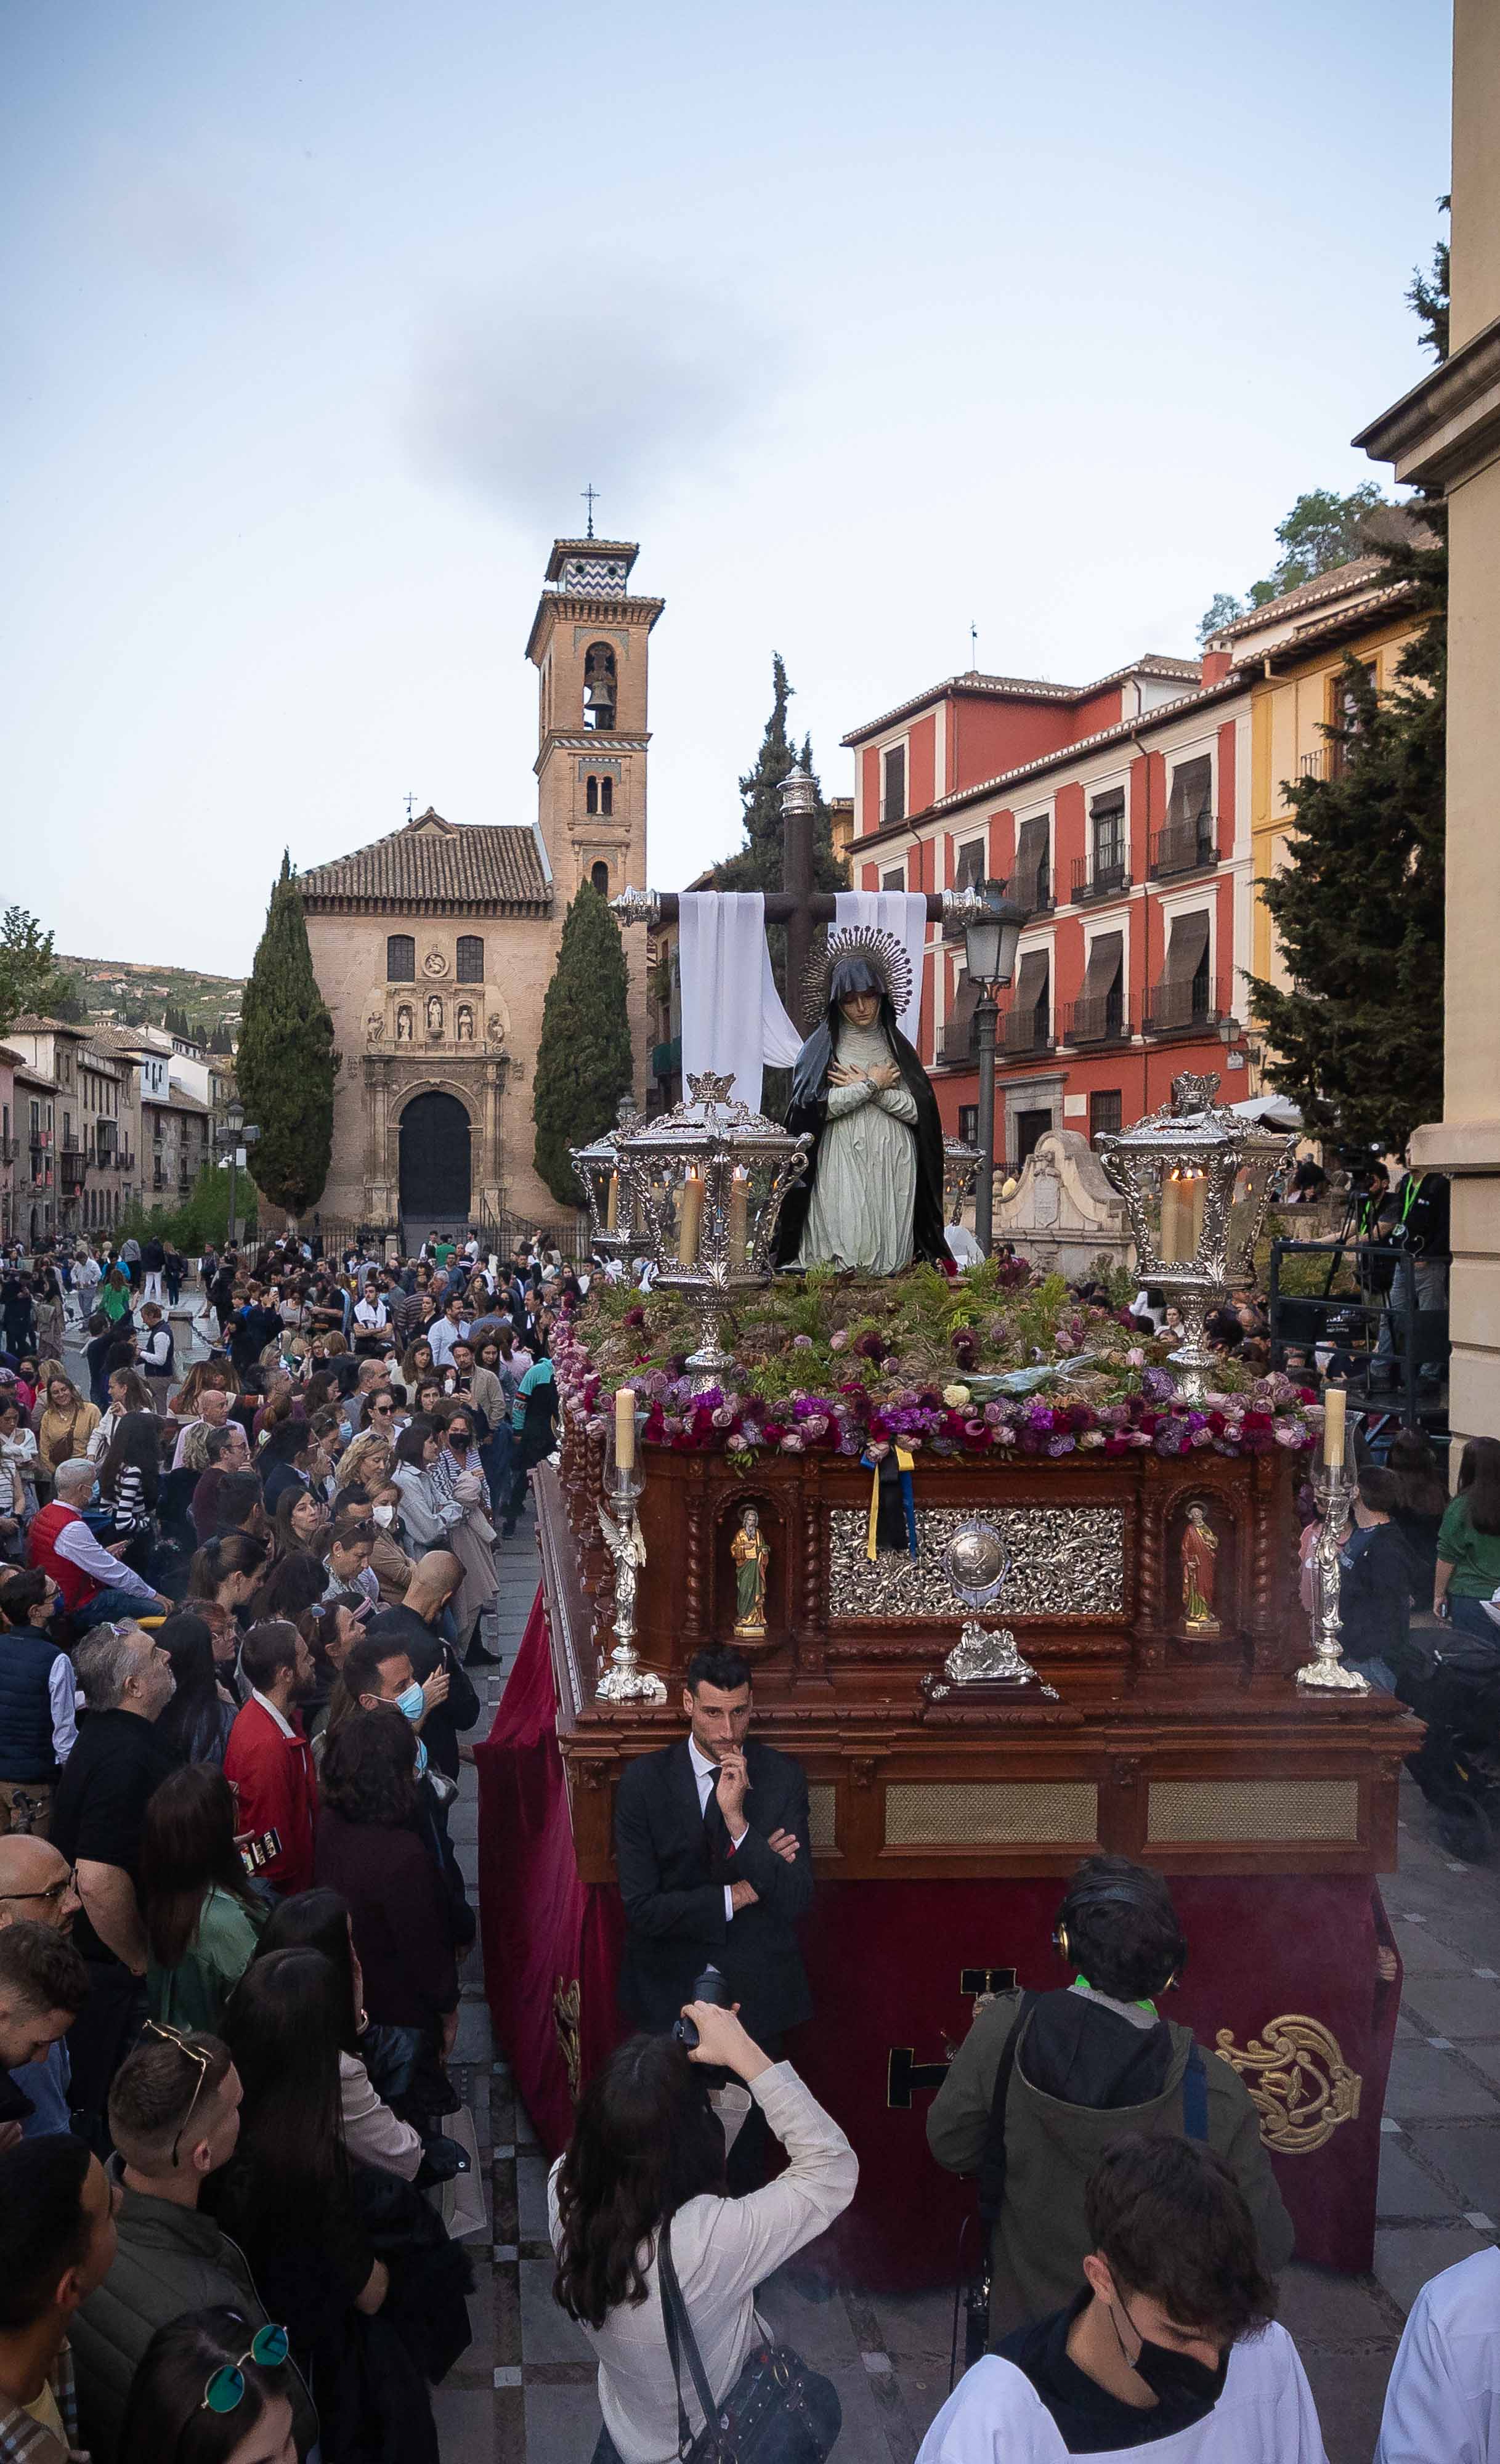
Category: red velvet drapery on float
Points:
column 887, row 1964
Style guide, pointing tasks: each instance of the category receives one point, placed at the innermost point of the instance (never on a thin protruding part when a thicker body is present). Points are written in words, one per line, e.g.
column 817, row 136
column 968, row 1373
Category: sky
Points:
column 868, row 324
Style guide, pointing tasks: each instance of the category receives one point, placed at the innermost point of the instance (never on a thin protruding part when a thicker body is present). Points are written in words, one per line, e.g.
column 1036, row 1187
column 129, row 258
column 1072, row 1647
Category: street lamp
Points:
column 989, row 950
column 237, row 1135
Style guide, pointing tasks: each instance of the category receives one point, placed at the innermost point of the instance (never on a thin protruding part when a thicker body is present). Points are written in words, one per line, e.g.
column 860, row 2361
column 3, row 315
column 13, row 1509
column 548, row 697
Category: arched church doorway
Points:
column 435, row 1161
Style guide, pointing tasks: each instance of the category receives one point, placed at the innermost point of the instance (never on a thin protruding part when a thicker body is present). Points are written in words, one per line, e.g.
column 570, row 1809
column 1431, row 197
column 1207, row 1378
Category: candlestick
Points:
column 739, row 1217
column 1334, row 1406
column 613, row 1205
column 624, row 1428
column 692, row 1221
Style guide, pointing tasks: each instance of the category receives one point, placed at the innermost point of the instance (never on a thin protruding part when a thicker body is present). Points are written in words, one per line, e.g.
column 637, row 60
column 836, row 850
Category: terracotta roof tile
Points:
column 435, row 864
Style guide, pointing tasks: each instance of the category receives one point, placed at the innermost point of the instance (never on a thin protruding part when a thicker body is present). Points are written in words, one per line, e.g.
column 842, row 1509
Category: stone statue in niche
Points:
column 464, row 1023
column 403, row 1025
column 752, row 1559
column 1199, row 1574
column 435, row 1015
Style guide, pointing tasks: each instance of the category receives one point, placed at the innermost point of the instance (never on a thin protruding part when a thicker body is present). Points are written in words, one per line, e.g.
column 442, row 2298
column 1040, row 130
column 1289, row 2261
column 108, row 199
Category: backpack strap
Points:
column 992, row 2163
column 1195, row 2096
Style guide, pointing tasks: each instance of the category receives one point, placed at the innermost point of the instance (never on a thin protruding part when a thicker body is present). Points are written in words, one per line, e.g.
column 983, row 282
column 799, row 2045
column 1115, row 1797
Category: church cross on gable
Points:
column 433, row 945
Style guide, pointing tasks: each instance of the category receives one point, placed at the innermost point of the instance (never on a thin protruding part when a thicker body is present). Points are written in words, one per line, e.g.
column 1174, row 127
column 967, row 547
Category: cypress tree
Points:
column 287, row 1064
column 584, row 1062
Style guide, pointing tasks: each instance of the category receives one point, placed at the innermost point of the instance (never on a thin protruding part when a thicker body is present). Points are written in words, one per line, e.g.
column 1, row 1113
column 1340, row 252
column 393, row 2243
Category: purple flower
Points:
column 1159, row 1384
column 1061, row 1445
column 838, row 1338
column 1202, row 1436
column 802, row 1342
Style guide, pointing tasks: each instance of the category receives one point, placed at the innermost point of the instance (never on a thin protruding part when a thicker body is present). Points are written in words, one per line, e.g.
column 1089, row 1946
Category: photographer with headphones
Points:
column 1043, row 2082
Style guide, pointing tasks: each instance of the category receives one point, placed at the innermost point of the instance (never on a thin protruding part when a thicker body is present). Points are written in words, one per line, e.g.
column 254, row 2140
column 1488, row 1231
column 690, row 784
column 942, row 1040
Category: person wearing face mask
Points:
column 414, row 1627
column 1172, row 2336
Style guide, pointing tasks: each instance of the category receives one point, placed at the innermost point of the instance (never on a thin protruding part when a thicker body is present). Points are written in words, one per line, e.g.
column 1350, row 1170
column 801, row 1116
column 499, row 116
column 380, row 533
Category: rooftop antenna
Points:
column 973, row 648
column 591, row 493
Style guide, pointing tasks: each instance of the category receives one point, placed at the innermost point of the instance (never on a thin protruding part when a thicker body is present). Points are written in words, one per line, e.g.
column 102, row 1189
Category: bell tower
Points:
column 590, row 644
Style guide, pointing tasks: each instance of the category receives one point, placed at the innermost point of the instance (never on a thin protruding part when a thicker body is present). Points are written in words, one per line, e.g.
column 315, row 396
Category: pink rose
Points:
column 838, row 1338
column 791, row 1444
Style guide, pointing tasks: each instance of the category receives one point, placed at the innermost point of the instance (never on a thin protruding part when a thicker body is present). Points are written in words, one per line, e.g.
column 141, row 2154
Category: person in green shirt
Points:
column 1468, row 1543
column 203, row 1918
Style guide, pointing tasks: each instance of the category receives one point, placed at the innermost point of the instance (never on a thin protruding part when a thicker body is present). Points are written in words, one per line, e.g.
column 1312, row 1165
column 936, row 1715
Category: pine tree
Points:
column 1322, row 530
column 1358, row 908
column 584, row 1062
column 758, row 864
column 287, row 1064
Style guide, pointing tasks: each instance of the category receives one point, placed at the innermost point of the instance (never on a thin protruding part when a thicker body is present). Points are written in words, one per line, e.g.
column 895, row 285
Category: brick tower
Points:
column 590, row 644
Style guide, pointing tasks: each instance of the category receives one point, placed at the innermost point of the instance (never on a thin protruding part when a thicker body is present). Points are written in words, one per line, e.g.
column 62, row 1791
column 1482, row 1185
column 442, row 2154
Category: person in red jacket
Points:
column 268, row 1760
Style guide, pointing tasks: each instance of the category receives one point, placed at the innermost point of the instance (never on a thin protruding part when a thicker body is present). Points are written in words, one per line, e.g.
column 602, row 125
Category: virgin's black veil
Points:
column 808, row 1111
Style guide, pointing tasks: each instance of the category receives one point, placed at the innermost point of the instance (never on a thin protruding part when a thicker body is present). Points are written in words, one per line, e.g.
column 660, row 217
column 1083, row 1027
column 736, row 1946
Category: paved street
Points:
column 524, row 2393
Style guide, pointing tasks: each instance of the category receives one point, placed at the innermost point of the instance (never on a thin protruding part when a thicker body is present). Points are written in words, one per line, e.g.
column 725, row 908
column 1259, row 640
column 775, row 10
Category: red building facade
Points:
column 1119, row 814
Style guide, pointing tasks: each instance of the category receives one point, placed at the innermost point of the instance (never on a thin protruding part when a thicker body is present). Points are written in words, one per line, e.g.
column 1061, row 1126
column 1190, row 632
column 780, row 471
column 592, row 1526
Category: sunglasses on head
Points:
column 193, row 2054
column 269, row 2347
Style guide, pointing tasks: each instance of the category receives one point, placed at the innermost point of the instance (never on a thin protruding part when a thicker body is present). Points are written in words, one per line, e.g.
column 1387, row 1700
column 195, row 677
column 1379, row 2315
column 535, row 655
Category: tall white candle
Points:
column 1335, row 1407
column 624, row 1428
column 692, row 1221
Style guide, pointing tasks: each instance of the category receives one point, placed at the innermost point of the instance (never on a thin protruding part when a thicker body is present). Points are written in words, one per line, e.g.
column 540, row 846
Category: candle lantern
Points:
column 1197, row 1180
column 960, row 1164
column 614, row 1228
column 707, row 1181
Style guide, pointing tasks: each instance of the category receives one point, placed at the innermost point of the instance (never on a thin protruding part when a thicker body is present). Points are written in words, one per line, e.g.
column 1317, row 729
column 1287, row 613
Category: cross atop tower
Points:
column 590, row 494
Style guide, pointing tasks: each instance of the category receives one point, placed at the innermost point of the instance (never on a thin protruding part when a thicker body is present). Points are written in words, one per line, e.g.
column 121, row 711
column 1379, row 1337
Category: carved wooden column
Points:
column 1150, row 1520
column 806, row 1585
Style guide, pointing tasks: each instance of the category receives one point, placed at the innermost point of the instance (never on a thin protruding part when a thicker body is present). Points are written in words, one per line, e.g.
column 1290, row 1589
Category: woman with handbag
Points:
column 64, row 1425
column 456, row 1478
column 659, row 2266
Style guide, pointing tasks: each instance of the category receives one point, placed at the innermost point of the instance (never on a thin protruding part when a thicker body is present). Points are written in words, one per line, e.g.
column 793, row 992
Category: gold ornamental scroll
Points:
column 1297, row 2081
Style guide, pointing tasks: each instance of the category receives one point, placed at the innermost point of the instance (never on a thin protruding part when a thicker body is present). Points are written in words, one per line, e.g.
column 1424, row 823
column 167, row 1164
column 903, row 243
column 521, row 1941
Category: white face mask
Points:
column 384, row 1516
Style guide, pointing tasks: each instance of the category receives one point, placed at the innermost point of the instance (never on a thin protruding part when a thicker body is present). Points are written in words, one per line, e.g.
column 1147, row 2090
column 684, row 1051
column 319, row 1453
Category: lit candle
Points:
column 612, row 1204
column 1334, row 1403
column 1197, row 1199
column 1175, row 1219
column 624, row 1428
column 692, row 1221
column 739, row 1217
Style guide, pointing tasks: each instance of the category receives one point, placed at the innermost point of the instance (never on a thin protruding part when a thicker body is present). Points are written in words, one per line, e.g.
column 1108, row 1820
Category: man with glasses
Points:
column 97, row 1820
column 174, row 2118
column 37, row 1888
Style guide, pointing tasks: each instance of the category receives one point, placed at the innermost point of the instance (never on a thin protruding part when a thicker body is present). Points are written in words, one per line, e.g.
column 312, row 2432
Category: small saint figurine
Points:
column 403, row 1025
column 1199, row 1573
column 465, row 1028
column 872, row 1195
column 752, row 1559
column 435, row 1015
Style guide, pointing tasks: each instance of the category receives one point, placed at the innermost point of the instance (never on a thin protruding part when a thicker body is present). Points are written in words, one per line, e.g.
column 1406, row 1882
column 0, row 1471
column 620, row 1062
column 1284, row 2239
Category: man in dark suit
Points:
column 716, row 1867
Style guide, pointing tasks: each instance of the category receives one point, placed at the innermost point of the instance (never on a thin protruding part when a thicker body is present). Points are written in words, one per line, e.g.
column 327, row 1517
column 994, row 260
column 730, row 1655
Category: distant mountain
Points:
column 120, row 992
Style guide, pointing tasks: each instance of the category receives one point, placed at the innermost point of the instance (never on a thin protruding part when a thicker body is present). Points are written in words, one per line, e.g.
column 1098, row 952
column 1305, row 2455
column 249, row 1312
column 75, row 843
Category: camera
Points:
column 710, row 1987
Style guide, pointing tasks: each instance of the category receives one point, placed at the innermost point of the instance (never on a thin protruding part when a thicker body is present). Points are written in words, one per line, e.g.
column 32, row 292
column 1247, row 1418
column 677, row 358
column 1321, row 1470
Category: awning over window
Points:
column 1192, row 792
column 1032, row 981
column 1030, row 849
column 1106, row 957
column 1187, row 948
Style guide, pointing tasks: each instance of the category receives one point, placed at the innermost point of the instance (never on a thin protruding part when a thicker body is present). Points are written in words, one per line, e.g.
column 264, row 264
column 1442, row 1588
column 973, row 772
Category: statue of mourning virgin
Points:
column 872, row 1195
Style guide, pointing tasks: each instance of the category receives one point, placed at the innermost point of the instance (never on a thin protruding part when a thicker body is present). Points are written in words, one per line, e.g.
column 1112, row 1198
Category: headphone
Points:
column 1102, row 1894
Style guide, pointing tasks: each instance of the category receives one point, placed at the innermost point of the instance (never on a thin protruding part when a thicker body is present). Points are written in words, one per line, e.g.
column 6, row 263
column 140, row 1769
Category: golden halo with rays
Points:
column 886, row 955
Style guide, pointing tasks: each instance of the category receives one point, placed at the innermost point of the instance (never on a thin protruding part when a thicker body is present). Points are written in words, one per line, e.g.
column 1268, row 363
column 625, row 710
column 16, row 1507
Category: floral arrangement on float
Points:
column 998, row 1361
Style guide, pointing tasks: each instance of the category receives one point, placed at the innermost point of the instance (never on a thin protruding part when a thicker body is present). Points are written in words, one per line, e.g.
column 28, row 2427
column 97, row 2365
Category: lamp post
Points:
column 239, row 1135
column 989, row 949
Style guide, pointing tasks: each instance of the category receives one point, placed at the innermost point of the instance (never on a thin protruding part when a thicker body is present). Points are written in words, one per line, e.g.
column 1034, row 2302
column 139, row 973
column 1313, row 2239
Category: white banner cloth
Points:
column 733, row 1021
column 901, row 913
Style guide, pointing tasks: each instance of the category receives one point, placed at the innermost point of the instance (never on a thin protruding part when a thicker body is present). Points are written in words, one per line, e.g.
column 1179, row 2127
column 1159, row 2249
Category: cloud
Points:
column 619, row 377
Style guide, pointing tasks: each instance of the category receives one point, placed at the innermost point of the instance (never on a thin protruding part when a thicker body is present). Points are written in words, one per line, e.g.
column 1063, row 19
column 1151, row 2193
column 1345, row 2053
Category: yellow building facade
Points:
column 1296, row 649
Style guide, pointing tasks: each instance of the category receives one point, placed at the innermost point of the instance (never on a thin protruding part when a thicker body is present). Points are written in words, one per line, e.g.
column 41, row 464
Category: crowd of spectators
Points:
column 239, row 1606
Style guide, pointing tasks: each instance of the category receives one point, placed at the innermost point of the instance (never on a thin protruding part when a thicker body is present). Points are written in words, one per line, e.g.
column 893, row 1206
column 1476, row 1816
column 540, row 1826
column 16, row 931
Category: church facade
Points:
column 433, row 946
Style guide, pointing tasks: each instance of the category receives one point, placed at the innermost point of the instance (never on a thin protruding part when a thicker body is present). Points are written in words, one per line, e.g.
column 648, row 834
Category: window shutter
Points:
column 1187, row 949
column 1032, row 981
column 1106, row 957
column 1192, row 792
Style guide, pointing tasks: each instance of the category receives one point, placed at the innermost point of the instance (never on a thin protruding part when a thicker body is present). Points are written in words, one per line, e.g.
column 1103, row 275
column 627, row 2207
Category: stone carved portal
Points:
column 435, row 1161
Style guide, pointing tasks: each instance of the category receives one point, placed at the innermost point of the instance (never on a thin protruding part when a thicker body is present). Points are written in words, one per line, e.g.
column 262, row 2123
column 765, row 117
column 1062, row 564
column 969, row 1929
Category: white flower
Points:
column 956, row 1397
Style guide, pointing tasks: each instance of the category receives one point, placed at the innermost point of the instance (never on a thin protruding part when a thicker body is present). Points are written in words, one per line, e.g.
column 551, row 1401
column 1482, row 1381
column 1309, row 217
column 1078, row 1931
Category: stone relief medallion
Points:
column 435, row 963
column 375, row 1025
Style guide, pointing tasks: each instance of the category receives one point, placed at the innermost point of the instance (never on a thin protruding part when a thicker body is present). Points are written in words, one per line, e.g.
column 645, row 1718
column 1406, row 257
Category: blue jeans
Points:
column 1468, row 1615
column 110, row 1607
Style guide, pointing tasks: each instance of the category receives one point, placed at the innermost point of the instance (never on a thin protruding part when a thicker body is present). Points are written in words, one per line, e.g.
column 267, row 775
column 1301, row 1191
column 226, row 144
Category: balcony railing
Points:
column 1097, row 1019
column 1028, row 1030
column 9, row 1149
column 1099, row 880
column 1185, row 846
column 1192, row 1008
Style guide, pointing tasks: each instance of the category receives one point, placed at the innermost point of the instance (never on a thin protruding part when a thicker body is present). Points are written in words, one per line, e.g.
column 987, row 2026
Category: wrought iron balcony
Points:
column 1192, row 1008
column 1185, row 846
column 1032, row 891
column 1097, row 1019
column 75, row 1167
column 1099, row 880
column 1026, row 1030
